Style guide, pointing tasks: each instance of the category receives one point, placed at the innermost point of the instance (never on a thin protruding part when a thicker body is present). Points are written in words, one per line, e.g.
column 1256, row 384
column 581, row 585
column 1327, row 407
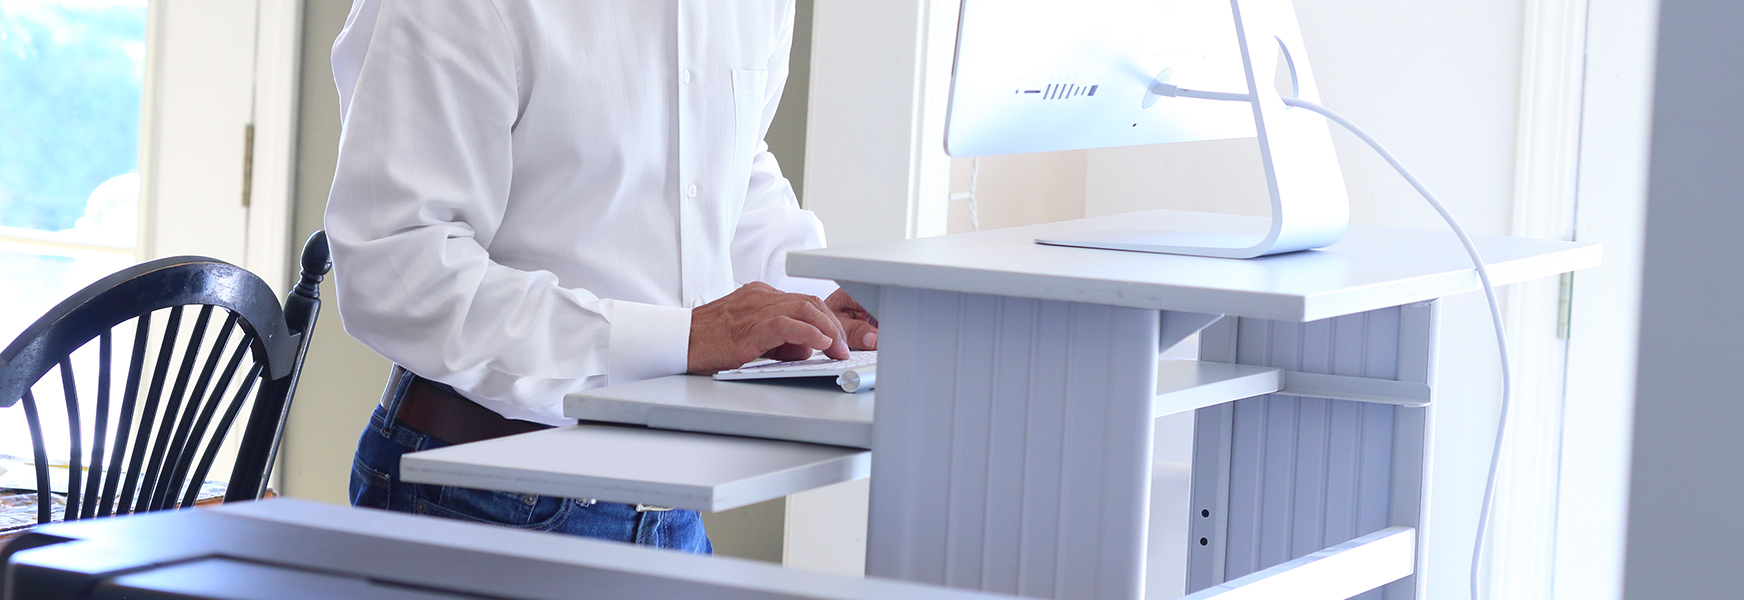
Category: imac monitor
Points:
column 1045, row 75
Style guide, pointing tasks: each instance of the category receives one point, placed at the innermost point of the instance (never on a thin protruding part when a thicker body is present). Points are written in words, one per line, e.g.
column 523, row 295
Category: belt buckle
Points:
column 646, row 508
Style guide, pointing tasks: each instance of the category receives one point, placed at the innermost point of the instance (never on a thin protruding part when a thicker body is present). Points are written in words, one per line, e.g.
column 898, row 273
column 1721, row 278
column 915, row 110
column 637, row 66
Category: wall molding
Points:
column 277, row 76
column 875, row 164
column 1521, row 556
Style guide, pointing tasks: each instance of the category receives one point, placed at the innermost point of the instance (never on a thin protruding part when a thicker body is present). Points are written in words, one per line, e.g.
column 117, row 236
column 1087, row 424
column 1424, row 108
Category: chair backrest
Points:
column 143, row 449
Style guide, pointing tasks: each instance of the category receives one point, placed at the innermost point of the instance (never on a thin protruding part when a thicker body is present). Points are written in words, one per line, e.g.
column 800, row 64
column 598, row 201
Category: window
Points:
column 71, row 74
column 71, row 81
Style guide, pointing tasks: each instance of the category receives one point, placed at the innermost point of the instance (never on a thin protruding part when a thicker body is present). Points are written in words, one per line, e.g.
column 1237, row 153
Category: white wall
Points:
column 787, row 133
column 1019, row 189
column 342, row 380
column 1686, row 531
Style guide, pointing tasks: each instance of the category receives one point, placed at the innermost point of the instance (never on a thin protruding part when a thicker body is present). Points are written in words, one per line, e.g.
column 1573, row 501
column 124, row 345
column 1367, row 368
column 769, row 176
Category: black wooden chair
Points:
column 153, row 449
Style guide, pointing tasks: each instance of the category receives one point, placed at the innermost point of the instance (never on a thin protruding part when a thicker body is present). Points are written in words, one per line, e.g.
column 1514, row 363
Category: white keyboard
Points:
column 857, row 373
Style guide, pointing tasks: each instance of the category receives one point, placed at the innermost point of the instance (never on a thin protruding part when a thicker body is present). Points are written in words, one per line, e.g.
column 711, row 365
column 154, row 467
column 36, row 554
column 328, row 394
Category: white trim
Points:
column 202, row 89
column 150, row 99
column 875, row 164
column 1521, row 558
column 1547, row 160
column 277, row 71
column 929, row 207
column 278, row 55
column 1605, row 315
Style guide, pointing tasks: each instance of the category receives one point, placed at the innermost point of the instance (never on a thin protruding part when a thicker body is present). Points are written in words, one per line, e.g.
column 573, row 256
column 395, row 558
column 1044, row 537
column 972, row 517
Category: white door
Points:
column 197, row 111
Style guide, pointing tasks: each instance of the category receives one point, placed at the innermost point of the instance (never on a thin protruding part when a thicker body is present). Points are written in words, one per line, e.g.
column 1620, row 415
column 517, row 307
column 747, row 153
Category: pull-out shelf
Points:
column 801, row 410
column 703, row 472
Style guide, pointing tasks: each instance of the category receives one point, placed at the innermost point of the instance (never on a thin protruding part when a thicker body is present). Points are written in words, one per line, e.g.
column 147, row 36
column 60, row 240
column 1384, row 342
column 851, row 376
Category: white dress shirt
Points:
column 532, row 194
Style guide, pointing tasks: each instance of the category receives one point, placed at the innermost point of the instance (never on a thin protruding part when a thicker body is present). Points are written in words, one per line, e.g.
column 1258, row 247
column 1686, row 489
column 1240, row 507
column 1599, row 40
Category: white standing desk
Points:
column 1017, row 384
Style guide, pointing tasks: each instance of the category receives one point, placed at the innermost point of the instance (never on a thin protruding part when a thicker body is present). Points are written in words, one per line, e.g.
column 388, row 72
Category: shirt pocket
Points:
column 749, row 87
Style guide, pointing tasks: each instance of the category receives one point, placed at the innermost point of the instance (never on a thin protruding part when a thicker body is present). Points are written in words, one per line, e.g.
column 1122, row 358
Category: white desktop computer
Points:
column 1043, row 75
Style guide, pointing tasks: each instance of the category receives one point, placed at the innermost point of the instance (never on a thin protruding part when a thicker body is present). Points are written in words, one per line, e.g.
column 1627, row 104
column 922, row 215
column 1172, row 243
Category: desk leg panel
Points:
column 1013, row 442
column 1279, row 477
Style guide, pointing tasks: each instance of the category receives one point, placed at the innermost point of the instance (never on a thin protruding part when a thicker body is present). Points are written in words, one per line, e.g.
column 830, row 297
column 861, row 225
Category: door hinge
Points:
column 1564, row 303
column 247, row 163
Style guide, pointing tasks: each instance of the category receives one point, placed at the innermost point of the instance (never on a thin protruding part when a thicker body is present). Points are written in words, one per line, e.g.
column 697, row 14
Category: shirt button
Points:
column 690, row 191
column 684, row 77
column 695, row 302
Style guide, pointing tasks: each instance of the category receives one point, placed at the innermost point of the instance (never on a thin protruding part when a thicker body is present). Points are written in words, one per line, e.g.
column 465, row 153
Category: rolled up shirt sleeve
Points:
column 429, row 102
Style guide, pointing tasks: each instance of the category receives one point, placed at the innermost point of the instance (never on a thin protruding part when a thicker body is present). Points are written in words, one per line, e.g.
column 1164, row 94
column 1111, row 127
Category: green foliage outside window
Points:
column 70, row 77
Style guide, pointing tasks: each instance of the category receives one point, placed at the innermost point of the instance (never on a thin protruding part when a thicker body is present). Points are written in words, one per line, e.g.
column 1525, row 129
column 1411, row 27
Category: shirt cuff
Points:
column 646, row 341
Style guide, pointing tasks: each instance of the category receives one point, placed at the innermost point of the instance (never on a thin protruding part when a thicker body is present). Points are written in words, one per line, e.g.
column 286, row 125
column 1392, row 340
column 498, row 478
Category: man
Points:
column 536, row 197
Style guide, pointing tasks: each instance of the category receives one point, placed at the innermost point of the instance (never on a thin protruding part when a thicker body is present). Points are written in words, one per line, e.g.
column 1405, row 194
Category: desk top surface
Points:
column 1370, row 268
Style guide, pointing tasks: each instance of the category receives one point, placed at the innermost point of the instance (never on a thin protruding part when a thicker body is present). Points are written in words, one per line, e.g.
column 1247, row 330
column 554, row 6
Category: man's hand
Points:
column 860, row 326
column 760, row 321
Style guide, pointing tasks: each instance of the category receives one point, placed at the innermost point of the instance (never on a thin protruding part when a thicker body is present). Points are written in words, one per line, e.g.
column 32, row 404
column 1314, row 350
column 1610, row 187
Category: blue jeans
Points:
column 375, row 483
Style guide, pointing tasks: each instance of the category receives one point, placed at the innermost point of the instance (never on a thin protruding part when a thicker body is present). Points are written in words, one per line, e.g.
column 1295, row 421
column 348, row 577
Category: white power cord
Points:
column 1495, row 317
column 974, row 182
column 1483, row 277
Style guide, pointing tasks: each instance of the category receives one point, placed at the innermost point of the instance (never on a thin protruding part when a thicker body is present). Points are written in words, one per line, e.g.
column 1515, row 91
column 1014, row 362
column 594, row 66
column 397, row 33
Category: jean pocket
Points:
column 520, row 511
column 673, row 530
column 369, row 488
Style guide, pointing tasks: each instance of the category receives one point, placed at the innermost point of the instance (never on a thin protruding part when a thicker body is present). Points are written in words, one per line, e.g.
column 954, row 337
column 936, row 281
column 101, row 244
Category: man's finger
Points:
column 857, row 315
column 824, row 308
column 847, row 307
column 826, row 322
column 861, row 335
column 784, row 330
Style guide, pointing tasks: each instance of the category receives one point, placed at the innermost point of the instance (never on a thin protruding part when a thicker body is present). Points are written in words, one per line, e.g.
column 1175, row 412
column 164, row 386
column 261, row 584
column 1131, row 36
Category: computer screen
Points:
column 1044, row 75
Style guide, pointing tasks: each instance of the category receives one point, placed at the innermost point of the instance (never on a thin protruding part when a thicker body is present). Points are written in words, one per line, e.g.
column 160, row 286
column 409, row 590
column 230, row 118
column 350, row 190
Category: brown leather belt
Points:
column 438, row 411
